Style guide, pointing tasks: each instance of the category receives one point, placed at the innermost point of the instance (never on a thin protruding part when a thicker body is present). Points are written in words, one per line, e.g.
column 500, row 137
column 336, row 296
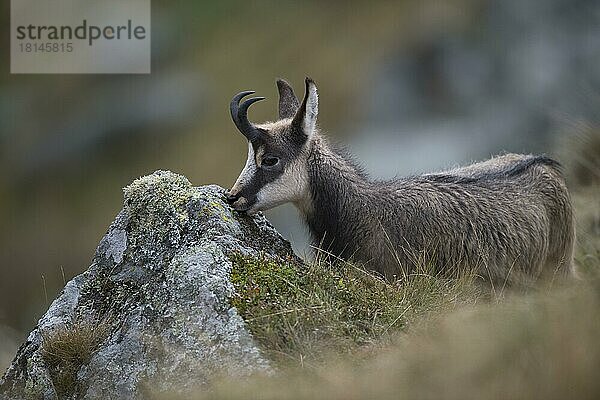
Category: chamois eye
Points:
column 270, row 161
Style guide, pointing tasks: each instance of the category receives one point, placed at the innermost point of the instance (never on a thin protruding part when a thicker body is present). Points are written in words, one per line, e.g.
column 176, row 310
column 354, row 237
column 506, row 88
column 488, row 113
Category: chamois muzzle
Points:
column 232, row 197
column 239, row 115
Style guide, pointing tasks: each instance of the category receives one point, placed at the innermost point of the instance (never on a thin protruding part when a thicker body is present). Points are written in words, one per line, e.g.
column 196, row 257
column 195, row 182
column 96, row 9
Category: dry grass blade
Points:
column 67, row 348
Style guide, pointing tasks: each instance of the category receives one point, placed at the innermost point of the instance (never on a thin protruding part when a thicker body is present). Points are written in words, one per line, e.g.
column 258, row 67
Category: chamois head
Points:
column 275, row 171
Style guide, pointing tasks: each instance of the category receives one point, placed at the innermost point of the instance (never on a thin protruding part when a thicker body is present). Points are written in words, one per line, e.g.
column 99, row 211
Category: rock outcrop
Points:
column 153, row 310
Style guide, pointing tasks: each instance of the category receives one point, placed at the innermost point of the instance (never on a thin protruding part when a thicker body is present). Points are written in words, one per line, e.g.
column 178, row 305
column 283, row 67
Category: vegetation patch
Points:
column 542, row 345
column 303, row 312
column 67, row 348
column 580, row 153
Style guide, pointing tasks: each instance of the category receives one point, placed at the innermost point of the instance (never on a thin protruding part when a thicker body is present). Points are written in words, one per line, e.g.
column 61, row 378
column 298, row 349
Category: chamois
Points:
column 508, row 218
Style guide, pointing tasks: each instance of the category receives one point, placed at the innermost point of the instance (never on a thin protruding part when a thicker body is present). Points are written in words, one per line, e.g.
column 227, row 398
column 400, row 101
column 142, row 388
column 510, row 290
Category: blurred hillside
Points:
column 411, row 85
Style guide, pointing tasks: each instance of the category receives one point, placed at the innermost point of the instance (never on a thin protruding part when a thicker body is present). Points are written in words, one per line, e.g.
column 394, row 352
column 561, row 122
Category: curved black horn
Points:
column 239, row 114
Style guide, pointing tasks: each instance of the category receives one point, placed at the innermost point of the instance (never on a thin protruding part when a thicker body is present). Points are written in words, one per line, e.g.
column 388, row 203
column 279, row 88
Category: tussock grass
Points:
column 67, row 348
column 302, row 313
column 581, row 155
column 538, row 346
column 587, row 254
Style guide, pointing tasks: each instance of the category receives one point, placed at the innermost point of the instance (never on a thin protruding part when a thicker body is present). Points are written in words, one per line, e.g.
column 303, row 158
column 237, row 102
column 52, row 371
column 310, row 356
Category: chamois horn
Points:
column 239, row 115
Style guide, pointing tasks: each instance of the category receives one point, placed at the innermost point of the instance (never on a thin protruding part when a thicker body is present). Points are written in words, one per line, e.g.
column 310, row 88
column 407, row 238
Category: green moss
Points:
column 302, row 312
column 213, row 208
column 156, row 205
column 175, row 188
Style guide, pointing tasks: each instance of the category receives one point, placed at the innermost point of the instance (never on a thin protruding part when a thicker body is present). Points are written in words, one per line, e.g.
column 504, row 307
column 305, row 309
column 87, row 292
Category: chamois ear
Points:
column 305, row 120
column 288, row 102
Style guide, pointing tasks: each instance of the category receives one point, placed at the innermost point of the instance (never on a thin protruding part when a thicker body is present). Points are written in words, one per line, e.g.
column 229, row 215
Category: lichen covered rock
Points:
column 153, row 310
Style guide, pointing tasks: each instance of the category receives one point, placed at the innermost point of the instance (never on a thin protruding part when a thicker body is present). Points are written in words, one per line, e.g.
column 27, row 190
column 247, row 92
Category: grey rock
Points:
column 157, row 292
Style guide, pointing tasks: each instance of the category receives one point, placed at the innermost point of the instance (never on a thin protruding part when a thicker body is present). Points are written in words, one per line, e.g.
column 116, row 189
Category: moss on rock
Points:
column 302, row 312
column 156, row 207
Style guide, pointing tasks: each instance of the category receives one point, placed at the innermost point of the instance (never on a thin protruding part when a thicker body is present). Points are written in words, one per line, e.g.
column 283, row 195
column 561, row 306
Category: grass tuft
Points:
column 535, row 346
column 67, row 348
column 300, row 313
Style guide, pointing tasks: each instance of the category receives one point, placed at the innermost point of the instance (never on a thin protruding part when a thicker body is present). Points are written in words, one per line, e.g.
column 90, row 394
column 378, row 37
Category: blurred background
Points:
column 410, row 86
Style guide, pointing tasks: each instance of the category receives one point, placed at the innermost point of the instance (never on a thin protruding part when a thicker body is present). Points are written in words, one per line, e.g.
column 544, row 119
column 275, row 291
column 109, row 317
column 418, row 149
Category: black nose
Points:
column 232, row 198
